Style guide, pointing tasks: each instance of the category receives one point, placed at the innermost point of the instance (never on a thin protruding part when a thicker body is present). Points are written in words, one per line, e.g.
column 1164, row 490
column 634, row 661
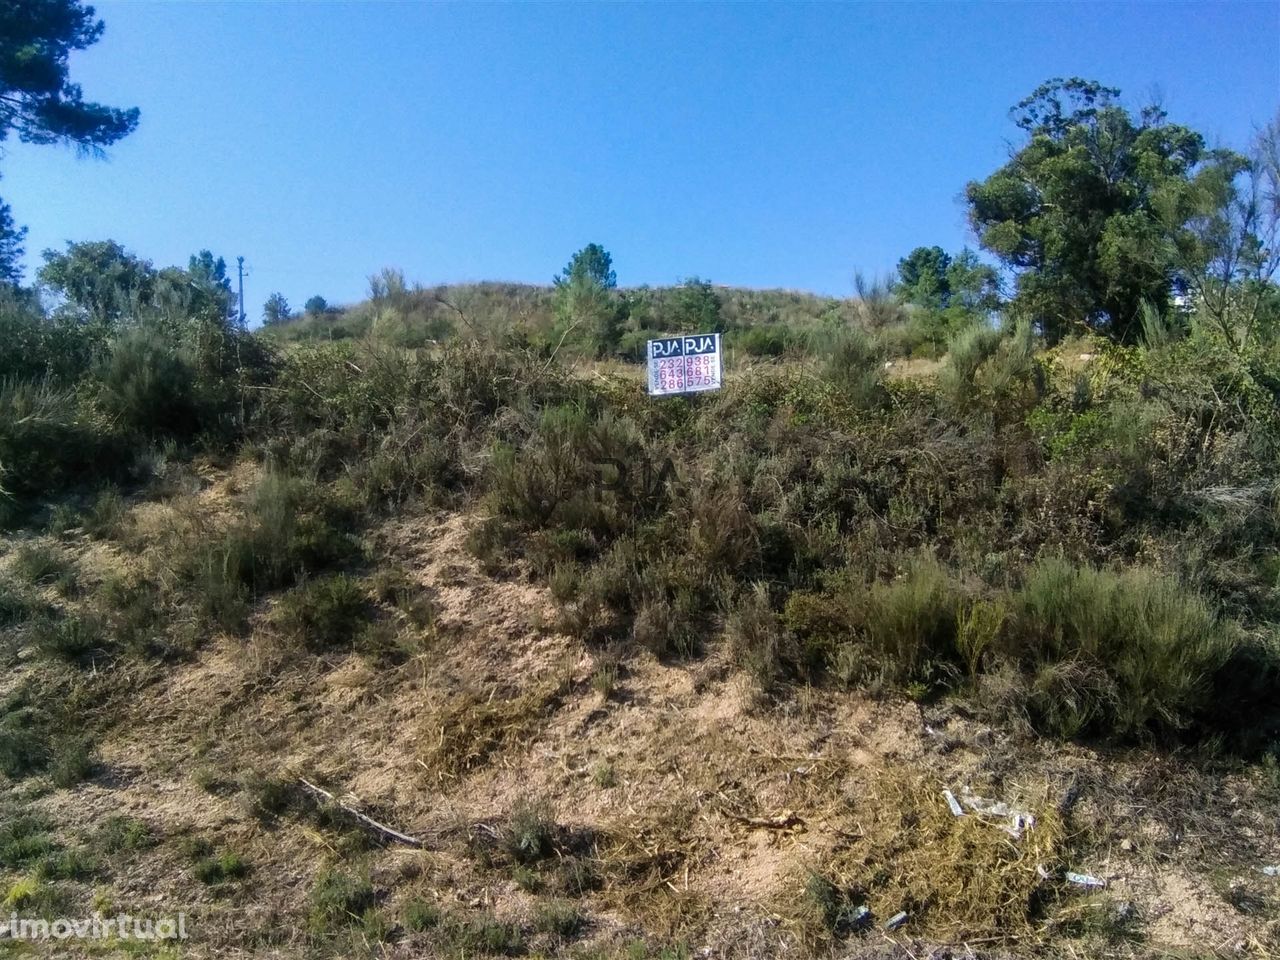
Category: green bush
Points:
column 324, row 614
column 106, row 515
column 966, row 353
column 16, row 605
column 47, row 441
column 120, row 834
column 39, row 347
column 147, row 385
column 24, row 747
column 68, row 638
column 757, row 641
column 226, row 866
column 39, row 563
column 558, row 918
column 762, row 341
column 1120, row 653
column 291, row 529
column 530, row 834
column 419, row 916
column 24, row 838
column 339, row 898
column 904, row 630
column 855, row 364
column 73, row 762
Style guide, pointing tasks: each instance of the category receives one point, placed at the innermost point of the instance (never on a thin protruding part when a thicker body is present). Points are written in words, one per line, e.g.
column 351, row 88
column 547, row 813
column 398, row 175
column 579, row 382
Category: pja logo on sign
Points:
column 684, row 364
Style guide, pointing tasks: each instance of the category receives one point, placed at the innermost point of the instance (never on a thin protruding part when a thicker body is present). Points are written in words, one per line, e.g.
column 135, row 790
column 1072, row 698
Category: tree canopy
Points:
column 1075, row 213
column 276, row 309
column 39, row 102
column 593, row 264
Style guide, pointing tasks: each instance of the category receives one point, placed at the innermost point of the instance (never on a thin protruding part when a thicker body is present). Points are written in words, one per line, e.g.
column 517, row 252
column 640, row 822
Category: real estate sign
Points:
column 684, row 364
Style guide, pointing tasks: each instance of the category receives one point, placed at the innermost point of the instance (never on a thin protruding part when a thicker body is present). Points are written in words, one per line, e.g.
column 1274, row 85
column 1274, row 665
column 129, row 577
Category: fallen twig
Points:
column 366, row 820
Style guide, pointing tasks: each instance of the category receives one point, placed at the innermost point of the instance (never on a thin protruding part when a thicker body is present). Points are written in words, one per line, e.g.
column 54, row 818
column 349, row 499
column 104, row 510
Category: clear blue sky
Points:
column 755, row 144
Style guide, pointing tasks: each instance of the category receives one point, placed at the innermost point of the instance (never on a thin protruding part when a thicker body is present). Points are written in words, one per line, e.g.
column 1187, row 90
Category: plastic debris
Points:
column 1272, row 871
column 1042, row 872
column 1084, row 880
column 953, row 803
column 1019, row 821
column 897, row 920
column 858, row 919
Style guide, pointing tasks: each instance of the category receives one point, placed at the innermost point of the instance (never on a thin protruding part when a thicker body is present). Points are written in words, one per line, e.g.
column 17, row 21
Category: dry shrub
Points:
column 757, row 641
column 471, row 727
column 644, row 863
column 957, row 877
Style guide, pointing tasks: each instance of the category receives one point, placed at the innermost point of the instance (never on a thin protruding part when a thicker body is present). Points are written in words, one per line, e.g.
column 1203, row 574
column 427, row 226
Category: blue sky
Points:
column 755, row 144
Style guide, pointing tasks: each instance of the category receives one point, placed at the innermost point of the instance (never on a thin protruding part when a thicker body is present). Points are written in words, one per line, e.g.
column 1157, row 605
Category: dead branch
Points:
column 366, row 820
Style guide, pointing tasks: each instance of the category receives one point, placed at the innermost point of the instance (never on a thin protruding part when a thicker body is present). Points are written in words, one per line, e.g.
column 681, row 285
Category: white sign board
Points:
column 684, row 364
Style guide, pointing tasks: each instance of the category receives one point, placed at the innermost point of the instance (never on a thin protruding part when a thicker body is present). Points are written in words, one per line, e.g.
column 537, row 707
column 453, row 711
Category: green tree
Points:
column 1073, row 211
column 211, row 287
column 586, row 302
column 39, row 102
column 592, row 263
column 97, row 281
column 972, row 285
column 276, row 309
column 923, row 277
column 1225, row 239
column 695, row 307
column 584, row 305
column 316, row 305
column 11, row 249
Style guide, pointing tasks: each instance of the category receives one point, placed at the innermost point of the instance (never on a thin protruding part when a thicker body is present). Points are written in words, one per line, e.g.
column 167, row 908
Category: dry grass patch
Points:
column 646, row 861
column 472, row 727
column 957, row 877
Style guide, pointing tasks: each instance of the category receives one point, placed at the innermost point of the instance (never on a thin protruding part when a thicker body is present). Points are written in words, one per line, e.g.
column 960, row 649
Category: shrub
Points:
column 1122, row 654
column 530, row 834
column 16, row 606
column 763, row 341
column 39, row 563
column 909, row 624
column 24, row 747
column 756, row 639
column 267, row 797
column 967, row 351
column 904, row 630
column 47, row 441
column 74, row 864
column 68, row 638
column 226, row 866
column 338, row 898
column 554, row 478
column 120, row 834
column 291, row 529
column 486, row 934
column 324, row 614
column 24, row 838
column 105, row 516
column 557, row 918
column 856, row 366
column 419, row 916
column 147, row 384
column 72, row 763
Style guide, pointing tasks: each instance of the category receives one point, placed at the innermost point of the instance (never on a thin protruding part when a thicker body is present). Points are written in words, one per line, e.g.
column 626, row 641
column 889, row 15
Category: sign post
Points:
column 684, row 364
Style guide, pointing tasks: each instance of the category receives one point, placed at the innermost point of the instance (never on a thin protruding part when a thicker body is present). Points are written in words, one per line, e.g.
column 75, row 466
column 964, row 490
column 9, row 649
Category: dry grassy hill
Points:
column 726, row 720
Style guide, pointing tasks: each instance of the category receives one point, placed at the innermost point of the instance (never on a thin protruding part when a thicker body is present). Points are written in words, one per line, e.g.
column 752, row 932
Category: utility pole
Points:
column 240, row 266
